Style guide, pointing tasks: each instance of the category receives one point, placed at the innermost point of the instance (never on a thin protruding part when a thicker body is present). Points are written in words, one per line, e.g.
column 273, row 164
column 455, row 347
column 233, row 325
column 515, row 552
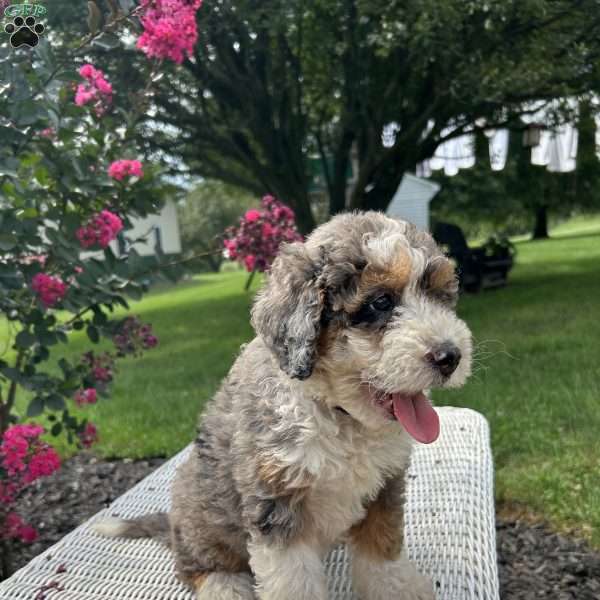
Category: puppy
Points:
column 307, row 441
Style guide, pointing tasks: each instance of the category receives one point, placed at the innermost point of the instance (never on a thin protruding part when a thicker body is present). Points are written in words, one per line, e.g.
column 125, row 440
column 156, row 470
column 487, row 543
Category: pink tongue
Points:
column 417, row 416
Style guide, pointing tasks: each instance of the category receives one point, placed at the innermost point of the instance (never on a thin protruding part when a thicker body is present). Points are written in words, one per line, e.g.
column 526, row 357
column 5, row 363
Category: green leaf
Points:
column 36, row 407
column 133, row 291
column 47, row 338
column 8, row 241
column 93, row 334
column 12, row 374
column 55, row 402
column 9, row 167
column 44, row 52
column 99, row 318
column 110, row 257
column 67, row 75
column 107, row 41
column 94, row 18
column 56, row 429
column 25, row 339
column 120, row 300
column 28, row 113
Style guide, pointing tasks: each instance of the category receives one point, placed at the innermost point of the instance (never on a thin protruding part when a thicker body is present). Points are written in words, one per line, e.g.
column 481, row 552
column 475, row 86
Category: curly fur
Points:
column 291, row 455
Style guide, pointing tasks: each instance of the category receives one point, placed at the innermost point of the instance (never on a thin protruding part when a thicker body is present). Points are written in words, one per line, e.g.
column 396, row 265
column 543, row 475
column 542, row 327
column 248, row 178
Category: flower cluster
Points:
column 50, row 290
column 101, row 367
column 24, row 458
column 48, row 133
column 23, row 453
column 102, row 229
column 85, row 396
column 255, row 242
column 133, row 336
column 15, row 527
column 122, row 168
column 88, row 435
column 96, row 90
column 99, row 372
column 169, row 28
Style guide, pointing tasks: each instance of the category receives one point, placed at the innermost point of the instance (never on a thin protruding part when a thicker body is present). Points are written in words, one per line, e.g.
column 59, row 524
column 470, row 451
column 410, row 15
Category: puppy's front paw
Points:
column 418, row 587
column 390, row 580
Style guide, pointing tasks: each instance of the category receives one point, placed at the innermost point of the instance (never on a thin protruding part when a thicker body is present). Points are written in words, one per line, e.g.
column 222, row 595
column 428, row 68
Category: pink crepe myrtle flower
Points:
column 230, row 249
column 24, row 458
column 48, row 133
column 86, row 396
column 101, row 367
column 256, row 240
column 120, row 169
column 27, row 534
column 14, row 527
column 23, row 453
column 88, row 436
column 133, row 337
column 88, row 72
column 50, row 290
column 252, row 215
column 8, row 492
column 100, row 230
column 96, row 90
column 169, row 28
column 43, row 462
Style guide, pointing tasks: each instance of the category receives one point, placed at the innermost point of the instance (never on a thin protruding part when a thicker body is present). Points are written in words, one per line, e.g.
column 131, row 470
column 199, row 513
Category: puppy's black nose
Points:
column 445, row 358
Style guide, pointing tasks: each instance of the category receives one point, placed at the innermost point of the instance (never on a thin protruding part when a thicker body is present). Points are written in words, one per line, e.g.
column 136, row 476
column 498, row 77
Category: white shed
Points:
column 161, row 229
column 411, row 200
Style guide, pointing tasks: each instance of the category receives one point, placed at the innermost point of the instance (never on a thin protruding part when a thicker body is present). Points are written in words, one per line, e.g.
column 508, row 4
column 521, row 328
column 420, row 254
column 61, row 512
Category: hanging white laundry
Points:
column 498, row 147
column 454, row 154
column 557, row 150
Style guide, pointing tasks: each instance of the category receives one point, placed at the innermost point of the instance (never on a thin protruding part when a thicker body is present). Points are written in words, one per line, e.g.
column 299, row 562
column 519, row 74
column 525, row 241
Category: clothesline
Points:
column 556, row 150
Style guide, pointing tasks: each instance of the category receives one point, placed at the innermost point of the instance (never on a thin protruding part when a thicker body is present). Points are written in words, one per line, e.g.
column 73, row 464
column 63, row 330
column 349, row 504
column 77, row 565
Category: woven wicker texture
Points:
column 450, row 532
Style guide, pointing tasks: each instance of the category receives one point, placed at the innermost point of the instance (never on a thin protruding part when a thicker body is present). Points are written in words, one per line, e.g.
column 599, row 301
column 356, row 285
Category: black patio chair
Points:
column 478, row 268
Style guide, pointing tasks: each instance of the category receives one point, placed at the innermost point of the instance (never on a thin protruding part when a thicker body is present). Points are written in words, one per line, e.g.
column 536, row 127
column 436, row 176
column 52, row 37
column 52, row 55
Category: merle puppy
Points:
column 307, row 440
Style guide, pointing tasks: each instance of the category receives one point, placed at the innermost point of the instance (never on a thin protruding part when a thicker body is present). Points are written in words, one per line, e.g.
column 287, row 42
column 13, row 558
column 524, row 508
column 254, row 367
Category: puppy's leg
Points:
column 224, row 586
column 380, row 569
column 389, row 580
column 295, row 571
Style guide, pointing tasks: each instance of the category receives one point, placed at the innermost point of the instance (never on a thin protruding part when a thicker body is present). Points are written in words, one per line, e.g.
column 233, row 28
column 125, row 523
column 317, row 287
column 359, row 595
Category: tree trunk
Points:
column 305, row 221
column 540, row 230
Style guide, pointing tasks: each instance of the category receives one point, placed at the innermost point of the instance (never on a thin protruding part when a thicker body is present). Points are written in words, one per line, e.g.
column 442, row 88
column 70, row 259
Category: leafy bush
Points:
column 72, row 179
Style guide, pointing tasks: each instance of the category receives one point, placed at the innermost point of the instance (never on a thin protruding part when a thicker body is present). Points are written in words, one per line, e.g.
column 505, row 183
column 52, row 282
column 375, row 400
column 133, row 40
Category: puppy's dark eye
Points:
column 382, row 303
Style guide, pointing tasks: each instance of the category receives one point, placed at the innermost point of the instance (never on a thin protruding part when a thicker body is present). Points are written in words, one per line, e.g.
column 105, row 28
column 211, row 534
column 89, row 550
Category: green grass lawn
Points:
column 537, row 375
column 537, row 378
column 156, row 398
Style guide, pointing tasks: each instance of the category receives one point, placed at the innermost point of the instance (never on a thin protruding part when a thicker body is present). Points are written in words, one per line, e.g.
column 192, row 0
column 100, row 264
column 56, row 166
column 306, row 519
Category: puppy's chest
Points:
column 353, row 473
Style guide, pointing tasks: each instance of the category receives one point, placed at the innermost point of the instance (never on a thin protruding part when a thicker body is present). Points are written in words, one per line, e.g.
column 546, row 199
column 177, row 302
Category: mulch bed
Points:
column 534, row 562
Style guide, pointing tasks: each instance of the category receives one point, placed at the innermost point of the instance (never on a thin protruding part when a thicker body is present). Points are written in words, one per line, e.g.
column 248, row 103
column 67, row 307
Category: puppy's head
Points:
column 364, row 309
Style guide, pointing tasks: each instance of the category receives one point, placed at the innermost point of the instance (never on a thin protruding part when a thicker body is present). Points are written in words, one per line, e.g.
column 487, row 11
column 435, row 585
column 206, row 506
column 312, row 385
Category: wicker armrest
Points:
column 450, row 531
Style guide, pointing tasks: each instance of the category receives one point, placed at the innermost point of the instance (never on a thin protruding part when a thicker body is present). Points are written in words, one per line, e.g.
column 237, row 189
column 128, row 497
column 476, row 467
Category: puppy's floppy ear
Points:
column 287, row 311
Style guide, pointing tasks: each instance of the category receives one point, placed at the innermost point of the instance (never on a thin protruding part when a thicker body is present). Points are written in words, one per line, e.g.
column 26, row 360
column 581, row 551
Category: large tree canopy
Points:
column 275, row 87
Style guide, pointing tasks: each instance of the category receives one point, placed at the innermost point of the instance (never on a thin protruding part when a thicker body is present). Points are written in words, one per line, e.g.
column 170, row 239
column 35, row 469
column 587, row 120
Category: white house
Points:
column 411, row 200
column 161, row 229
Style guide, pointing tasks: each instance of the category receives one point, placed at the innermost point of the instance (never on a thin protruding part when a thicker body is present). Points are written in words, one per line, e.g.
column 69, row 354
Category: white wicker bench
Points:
column 450, row 532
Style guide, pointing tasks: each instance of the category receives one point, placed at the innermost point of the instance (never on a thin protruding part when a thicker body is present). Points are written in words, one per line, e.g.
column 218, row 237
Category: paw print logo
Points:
column 24, row 32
